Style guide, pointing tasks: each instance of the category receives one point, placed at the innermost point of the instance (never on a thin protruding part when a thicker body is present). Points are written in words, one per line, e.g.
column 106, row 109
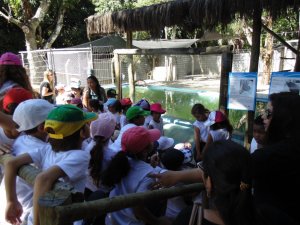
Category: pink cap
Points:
column 136, row 139
column 126, row 102
column 215, row 117
column 9, row 58
column 104, row 126
column 156, row 107
column 76, row 101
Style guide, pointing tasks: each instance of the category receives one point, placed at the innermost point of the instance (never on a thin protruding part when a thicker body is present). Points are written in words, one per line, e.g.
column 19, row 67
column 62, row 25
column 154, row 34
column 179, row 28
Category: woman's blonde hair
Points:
column 46, row 79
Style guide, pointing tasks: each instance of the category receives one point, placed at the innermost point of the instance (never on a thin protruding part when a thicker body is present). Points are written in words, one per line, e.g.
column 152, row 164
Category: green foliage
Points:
column 103, row 6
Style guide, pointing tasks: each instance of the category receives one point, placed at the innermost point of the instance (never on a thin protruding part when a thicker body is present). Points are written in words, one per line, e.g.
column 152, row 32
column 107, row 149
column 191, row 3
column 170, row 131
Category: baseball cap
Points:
column 111, row 92
column 76, row 101
column 104, row 126
column 9, row 58
column 144, row 104
column 65, row 120
column 135, row 111
column 125, row 101
column 31, row 113
column 214, row 117
column 15, row 95
column 156, row 107
column 110, row 101
column 165, row 143
column 60, row 86
column 75, row 83
column 136, row 139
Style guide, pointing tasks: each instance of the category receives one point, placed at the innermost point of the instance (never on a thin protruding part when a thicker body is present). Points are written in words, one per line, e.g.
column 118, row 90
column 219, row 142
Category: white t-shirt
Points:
column 108, row 154
column 147, row 121
column 204, row 130
column 175, row 206
column 123, row 121
column 220, row 134
column 159, row 126
column 23, row 144
column 116, row 146
column 135, row 182
column 253, row 145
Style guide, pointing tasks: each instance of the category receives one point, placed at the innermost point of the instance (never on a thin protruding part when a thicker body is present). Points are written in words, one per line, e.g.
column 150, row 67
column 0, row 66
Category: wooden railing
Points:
column 63, row 205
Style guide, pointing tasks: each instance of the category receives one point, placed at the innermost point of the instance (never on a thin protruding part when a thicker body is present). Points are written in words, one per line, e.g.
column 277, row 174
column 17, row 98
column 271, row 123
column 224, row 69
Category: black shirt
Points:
column 276, row 174
column 46, row 85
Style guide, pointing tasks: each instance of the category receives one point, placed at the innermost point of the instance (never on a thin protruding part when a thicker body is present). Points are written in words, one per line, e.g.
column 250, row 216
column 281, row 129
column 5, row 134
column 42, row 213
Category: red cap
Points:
column 15, row 95
column 156, row 107
column 9, row 58
column 136, row 139
column 125, row 102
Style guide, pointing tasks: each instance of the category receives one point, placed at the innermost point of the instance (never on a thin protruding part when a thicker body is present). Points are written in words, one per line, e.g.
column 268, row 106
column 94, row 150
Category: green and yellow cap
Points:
column 65, row 120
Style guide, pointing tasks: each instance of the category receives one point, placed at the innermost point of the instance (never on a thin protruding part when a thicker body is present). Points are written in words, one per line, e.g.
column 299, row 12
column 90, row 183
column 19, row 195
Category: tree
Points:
column 28, row 15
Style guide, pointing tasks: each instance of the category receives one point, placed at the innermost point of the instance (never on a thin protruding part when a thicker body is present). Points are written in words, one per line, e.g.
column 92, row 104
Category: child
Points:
column 76, row 102
column 200, row 130
column 135, row 116
column 60, row 96
column 114, row 107
column 259, row 134
column 128, row 172
column 111, row 93
column 157, row 121
column 125, row 105
column 220, row 128
column 11, row 100
column 64, row 159
column 34, row 138
column 101, row 131
column 95, row 106
column 145, row 105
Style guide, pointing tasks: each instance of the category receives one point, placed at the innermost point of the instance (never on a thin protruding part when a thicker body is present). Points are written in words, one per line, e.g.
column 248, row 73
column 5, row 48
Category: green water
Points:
column 178, row 103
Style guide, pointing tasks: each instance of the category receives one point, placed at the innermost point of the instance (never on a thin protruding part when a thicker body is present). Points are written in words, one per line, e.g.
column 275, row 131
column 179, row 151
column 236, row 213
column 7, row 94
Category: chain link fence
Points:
column 79, row 63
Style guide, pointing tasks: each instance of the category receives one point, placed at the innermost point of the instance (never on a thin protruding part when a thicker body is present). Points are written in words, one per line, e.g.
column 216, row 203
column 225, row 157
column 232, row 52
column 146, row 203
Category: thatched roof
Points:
column 189, row 14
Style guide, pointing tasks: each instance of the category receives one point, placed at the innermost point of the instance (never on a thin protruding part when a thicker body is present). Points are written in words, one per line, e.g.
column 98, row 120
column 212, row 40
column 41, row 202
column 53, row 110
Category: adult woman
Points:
column 93, row 91
column 276, row 166
column 12, row 74
column 47, row 91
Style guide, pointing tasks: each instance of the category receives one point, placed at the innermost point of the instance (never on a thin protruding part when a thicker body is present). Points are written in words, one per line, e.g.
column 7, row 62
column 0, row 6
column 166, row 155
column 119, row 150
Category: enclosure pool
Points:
column 178, row 103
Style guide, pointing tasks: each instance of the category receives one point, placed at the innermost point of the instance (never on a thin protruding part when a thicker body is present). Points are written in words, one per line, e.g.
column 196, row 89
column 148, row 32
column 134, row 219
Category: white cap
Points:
column 165, row 143
column 31, row 113
column 75, row 83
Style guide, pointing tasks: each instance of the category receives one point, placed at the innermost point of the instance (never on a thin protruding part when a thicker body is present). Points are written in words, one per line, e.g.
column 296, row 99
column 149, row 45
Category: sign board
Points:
column 242, row 91
column 285, row 82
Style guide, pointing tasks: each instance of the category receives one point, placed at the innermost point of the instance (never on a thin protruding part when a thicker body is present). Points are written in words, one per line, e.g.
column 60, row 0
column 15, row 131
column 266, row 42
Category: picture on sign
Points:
column 242, row 91
column 285, row 82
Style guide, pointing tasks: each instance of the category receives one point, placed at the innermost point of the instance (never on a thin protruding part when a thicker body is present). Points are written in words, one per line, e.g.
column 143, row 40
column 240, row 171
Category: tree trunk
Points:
column 268, row 53
column 36, row 62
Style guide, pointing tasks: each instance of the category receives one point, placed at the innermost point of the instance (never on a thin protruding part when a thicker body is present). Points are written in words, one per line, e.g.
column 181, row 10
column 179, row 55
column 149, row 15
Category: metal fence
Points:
column 78, row 63
column 71, row 63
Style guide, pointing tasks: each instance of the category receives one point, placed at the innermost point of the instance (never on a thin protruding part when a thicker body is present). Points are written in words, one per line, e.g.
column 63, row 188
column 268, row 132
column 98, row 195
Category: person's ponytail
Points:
column 95, row 164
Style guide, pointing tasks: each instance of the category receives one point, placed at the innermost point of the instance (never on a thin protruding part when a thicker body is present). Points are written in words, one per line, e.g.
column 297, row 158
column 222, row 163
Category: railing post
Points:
column 47, row 207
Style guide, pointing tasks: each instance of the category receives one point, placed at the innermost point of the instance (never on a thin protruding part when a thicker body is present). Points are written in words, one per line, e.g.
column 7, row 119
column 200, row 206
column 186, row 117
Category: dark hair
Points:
column 67, row 143
column 11, row 108
column 228, row 166
column 259, row 121
column 98, row 92
column 117, row 169
column 285, row 122
column 224, row 124
column 118, row 106
column 199, row 109
column 95, row 164
column 94, row 103
column 16, row 74
column 172, row 159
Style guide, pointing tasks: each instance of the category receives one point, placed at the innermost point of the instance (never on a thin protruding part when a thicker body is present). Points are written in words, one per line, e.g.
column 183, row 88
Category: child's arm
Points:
column 208, row 142
column 197, row 143
column 14, row 210
column 43, row 183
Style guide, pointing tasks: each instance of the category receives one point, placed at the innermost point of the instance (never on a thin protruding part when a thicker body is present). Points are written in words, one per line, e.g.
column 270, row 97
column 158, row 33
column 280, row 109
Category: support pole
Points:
column 254, row 60
column 118, row 75
column 226, row 68
column 130, row 68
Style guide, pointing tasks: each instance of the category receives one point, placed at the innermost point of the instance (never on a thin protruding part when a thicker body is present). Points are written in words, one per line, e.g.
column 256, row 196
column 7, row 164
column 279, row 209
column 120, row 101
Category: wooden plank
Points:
column 118, row 75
